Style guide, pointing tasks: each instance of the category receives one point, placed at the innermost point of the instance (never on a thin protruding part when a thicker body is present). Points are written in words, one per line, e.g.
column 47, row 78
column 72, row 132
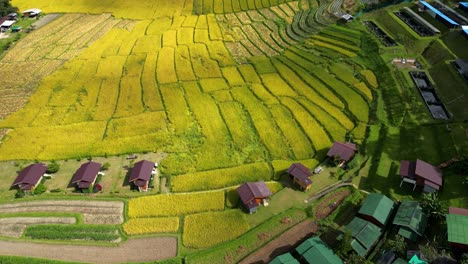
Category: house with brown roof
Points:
column 300, row 174
column 30, row 177
column 141, row 174
column 86, row 175
column 253, row 194
column 344, row 151
column 420, row 173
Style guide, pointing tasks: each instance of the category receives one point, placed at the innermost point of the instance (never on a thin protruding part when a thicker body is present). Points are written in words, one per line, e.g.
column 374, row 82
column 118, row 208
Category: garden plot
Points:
column 96, row 212
column 15, row 226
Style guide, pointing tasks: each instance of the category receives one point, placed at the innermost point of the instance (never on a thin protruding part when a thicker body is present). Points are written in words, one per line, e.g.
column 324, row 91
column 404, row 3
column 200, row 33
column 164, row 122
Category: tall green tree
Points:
column 397, row 244
column 344, row 247
column 6, row 8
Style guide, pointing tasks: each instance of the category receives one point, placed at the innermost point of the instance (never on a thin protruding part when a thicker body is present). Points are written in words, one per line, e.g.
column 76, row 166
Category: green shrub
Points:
column 105, row 166
column 53, row 167
column 40, row 189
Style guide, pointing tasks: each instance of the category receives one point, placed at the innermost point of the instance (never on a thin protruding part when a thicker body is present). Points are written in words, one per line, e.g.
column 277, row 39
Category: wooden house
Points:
column 30, row 177
column 300, row 174
column 253, row 194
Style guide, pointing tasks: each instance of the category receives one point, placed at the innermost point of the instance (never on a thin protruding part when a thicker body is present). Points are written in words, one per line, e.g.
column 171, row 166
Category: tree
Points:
column 345, row 244
column 53, row 167
column 6, row 8
column 40, row 189
column 356, row 259
column 105, row 166
column 432, row 207
column 397, row 245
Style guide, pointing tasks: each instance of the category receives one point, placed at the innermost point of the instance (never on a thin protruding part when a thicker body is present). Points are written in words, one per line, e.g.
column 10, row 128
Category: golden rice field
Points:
column 223, row 90
column 139, row 226
column 175, row 204
column 208, row 229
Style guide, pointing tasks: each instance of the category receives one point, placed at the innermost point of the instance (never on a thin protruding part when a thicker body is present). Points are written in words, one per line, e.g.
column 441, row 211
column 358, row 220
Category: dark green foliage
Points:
column 73, row 232
column 6, row 8
column 53, row 167
column 431, row 205
column 40, row 189
column 105, row 166
column 344, row 247
column 19, row 193
column 356, row 259
column 397, row 244
column 461, row 167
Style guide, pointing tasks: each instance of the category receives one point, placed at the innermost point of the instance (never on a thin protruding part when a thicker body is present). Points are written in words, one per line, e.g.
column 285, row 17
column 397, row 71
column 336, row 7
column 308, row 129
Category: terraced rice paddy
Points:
column 216, row 90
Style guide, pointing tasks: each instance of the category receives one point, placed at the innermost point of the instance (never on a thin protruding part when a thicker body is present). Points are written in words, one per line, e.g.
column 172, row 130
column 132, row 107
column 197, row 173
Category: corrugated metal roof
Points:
column 457, row 228
column 465, row 4
column 407, row 168
column 344, row 150
column 428, row 172
column 30, row 175
column 300, row 172
column 458, row 211
column 360, row 250
column 435, row 10
column 284, row 259
column 378, row 206
column 364, row 232
column 86, row 174
column 250, row 191
column 314, row 250
column 141, row 171
column 410, row 215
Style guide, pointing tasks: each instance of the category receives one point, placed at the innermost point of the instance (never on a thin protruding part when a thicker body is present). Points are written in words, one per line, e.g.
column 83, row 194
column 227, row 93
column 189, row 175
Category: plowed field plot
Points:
column 94, row 212
column 15, row 226
column 155, row 249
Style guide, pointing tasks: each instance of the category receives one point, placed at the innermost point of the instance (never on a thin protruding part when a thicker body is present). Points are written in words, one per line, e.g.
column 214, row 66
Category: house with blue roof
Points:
column 437, row 14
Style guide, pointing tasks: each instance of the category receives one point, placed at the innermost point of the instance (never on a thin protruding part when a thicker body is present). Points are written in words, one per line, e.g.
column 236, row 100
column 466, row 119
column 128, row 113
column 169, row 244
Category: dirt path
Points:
column 133, row 250
column 289, row 239
column 283, row 243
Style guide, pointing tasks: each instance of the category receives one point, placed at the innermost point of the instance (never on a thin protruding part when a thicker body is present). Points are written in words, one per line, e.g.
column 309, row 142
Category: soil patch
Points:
column 133, row 250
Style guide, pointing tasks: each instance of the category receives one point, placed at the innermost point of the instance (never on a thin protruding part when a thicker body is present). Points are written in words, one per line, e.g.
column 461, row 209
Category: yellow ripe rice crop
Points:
column 249, row 74
column 166, row 66
column 299, row 143
column 302, row 88
column 360, row 131
column 203, row 66
column 147, row 43
column 336, row 43
column 263, row 122
column 144, row 123
column 176, row 107
column 370, row 78
column 201, row 36
column 185, row 36
column 233, row 76
column 151, row 96
column 111, row 67
column 219, row 53
column 130, row 100
column 213, row 84
column 208, row 229
column 263, row 94
column 343, row 51
column 175, row 204
column 276, row 85
column 190, row 21
column 222, row 96
column 216, row 179
column 107, row 99
column 313, row 129
column 139, row 226
column 362, row 87
column 183, row 64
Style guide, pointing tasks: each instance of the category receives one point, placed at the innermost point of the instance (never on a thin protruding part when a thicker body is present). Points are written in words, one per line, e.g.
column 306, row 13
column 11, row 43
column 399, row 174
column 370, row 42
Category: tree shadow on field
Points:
column 125, row 182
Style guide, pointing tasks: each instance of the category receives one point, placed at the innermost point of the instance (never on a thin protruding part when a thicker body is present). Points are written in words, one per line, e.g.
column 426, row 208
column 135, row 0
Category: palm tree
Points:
column 432, row 207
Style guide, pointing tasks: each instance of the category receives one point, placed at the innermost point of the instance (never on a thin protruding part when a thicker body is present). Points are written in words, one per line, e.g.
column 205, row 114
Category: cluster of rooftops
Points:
column 7, row 21
column 369, row 224
column 85, row 176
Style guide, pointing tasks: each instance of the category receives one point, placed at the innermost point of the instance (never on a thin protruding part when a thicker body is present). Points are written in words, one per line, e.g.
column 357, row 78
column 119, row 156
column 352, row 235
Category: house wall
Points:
column 370, row 219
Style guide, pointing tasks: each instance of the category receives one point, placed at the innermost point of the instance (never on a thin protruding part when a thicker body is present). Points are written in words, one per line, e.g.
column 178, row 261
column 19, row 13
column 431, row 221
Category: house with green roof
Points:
column 457, row 227
column 377, row 209
column 411, row 220
column 284, row 259
column 365, row 235
column 314, row 250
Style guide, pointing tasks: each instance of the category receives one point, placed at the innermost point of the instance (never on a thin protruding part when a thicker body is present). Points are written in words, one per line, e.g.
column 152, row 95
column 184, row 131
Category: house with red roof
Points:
column 141, row 174
column 344, row 151
column 86, row 175
column 253, row 194
column 421, row 173
column 300, row 175
column 30, row 177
